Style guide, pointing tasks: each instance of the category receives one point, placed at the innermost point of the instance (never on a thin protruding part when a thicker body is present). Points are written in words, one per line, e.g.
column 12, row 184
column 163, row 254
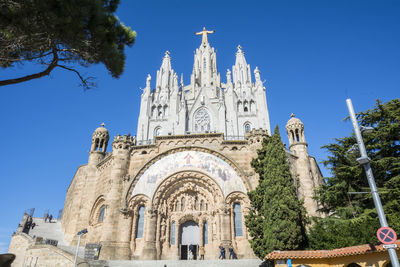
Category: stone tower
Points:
column 307, row 171
column 98, row 149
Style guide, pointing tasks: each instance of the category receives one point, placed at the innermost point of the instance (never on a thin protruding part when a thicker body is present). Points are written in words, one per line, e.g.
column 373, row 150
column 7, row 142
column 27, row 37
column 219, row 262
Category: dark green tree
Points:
column 277, row 218
column 62, row 34
column 353, row 216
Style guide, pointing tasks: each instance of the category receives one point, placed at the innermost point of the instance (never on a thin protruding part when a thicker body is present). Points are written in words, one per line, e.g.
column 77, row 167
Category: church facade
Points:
column 183, row 180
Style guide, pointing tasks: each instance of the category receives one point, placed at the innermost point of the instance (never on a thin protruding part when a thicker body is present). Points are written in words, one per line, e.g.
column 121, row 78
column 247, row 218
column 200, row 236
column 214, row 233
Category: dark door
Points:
column 184, row 252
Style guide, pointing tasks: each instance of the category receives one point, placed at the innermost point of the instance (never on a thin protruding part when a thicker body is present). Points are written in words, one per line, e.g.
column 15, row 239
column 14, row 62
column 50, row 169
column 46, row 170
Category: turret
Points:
column 307, row 177
column 295, row 131
column 98, row 149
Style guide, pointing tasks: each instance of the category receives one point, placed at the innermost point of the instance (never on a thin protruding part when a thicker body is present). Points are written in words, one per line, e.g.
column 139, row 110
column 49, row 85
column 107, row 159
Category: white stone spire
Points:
column 165, row 74
column 241, row 70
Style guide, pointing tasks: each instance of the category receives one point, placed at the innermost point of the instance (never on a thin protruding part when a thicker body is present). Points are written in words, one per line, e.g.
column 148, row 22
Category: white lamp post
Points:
column 364, row 161
column 80, row 233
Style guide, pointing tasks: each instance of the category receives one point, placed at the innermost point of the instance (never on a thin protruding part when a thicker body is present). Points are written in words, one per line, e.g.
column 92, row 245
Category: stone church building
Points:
column 183, row 180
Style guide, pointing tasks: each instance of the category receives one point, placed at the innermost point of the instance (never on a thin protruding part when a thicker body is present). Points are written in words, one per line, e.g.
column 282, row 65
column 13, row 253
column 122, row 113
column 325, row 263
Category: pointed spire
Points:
column 241, row 70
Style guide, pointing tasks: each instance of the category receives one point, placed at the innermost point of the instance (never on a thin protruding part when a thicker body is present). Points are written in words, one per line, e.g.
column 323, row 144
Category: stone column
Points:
column 149, row 251
column 226, row 237
column 113, row 216
column 124, row 236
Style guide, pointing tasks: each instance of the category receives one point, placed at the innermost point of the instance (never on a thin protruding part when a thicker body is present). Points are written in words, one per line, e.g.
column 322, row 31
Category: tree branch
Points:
column 86, row 83
column 47, row 71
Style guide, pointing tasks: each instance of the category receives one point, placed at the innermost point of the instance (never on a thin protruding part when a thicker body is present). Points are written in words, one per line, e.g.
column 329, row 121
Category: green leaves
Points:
column 277, row 218
column 81, row 32
column 353, row 219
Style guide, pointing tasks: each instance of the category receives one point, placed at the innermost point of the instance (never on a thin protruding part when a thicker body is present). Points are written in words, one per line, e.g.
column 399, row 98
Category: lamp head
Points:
column 366, row 129
column 82, row 232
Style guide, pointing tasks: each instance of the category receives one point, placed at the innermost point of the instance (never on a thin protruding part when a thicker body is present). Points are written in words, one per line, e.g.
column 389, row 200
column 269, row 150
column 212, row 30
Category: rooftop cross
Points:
column 204, row 33
column 102, row 124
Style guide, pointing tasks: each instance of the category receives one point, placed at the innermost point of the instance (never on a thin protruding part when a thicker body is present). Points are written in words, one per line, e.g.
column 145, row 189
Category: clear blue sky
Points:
column 312, row 54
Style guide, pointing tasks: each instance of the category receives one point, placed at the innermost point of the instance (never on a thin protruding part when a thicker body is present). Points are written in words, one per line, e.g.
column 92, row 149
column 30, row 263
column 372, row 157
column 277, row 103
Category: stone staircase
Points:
column 53, row 231
column 176, row 263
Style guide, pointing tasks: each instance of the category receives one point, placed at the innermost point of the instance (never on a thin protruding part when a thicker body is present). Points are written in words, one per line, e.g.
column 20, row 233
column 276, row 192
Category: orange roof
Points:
column 318, row 254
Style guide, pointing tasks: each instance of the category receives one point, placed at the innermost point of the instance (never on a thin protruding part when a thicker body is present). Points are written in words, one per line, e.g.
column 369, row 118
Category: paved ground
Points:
column 182, row 263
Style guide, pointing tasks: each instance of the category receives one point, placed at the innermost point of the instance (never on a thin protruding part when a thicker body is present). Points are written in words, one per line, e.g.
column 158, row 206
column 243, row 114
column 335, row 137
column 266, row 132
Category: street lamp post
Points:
column 364, row 161
column 80, row 233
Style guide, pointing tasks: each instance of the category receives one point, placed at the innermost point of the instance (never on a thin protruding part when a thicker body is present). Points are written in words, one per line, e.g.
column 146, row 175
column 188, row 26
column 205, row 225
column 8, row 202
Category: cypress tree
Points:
column 277, row 218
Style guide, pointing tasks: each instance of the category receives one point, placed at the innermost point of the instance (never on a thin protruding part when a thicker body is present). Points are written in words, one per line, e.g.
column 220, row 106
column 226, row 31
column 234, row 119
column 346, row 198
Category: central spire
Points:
column 204, row 33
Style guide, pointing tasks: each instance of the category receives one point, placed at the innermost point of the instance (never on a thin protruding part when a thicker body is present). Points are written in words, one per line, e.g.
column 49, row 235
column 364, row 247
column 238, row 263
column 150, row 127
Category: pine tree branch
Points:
column 86, row 83
column 47, row 71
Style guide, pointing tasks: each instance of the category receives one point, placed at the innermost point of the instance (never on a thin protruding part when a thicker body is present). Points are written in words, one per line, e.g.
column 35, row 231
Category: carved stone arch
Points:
column 149, row 163
column 183, row 181
column 237, row 197
column 95, row 211
column 139, row 200
column 188, row 217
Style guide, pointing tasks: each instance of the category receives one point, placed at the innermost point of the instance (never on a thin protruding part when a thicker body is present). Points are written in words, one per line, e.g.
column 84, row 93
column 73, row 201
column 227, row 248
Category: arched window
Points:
column 237, row 218
column 101, row 214
column 182, row 204
column 297, row 135
column 157, row 131
column 205, row 233
column 247, row 128
column 140, row 222
column 292, row 135
column 196, row 203
column 173, row 233
column 245, row 106
column 159, row 111
column 202, row 205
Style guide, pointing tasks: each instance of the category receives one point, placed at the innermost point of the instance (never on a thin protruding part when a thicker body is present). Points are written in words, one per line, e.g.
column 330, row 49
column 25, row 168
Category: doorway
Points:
column 189, row 236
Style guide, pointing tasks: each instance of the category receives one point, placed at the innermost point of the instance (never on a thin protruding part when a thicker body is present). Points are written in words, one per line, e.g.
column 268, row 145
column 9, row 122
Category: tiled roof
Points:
column 318, row 254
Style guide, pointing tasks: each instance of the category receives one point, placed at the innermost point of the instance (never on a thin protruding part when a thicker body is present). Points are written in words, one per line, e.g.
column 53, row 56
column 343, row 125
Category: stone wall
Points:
column 18, row 246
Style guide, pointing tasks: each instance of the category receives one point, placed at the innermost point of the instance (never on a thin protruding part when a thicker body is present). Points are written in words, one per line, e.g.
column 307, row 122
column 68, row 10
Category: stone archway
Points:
column 187, row 196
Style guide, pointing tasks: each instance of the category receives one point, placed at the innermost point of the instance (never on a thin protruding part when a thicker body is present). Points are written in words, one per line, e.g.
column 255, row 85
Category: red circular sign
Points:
column 386, row 235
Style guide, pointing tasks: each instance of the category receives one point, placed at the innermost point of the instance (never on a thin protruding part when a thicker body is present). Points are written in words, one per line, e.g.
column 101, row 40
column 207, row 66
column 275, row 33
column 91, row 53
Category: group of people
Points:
column 222, row 253
column 192, row 252
column 222, row 256
column 48, row 217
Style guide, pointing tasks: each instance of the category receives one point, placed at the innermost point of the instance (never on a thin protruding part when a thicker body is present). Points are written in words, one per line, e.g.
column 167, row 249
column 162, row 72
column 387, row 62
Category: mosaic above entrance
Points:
column 213, row 166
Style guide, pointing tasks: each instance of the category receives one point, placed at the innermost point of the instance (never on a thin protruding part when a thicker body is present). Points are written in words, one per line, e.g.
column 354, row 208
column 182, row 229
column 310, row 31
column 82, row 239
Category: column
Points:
column 149, row 251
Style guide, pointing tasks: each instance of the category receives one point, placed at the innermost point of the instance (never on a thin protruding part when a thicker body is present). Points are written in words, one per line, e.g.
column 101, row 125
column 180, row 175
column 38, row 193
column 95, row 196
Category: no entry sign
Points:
column 386, row 235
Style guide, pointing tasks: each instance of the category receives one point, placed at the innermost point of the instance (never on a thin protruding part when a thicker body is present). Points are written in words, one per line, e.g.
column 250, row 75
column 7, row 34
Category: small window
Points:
column 202, row 205
column 173, row 233
column 247, row 127
column 205, row 233
column 101, row 214
column 237, row 218
column 140, row 222
column 157, row 131
column 204, row 65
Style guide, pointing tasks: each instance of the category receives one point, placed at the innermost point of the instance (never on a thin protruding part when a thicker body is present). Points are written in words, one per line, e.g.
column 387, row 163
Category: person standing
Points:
column 231, row 254
column 201, row 252
column 50, row 218
column 221, row 252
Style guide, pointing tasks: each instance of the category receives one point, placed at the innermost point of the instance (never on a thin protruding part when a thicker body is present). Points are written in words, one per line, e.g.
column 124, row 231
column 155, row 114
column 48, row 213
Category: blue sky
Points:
column 312, row 54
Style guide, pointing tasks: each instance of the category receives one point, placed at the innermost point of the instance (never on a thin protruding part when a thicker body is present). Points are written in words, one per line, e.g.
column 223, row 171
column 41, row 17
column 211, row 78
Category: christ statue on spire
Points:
column 204, row 33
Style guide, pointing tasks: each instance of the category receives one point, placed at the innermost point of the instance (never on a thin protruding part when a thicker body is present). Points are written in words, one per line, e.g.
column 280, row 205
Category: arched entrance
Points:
column 189, row 236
